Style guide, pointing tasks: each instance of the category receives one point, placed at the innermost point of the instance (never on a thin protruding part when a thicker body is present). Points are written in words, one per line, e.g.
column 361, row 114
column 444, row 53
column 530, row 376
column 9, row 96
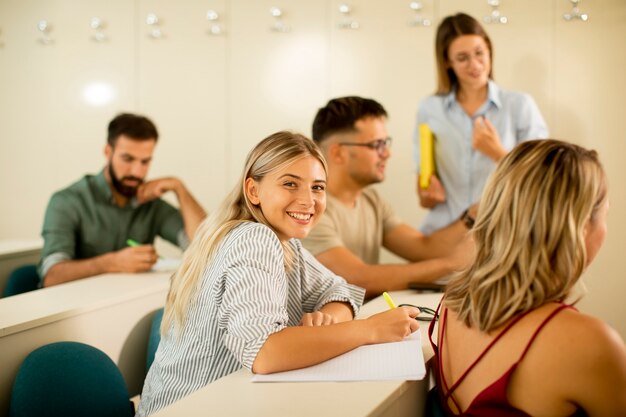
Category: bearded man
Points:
column 88, row 225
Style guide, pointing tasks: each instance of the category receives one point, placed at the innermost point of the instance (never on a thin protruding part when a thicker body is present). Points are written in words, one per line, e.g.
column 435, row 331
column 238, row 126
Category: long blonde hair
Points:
column 529, row 234
column 272, row 153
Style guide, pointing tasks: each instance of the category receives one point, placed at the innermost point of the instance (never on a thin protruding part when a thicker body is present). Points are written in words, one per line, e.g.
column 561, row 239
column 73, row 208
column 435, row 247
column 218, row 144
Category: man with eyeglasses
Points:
column 352, row 133
column 108, row 222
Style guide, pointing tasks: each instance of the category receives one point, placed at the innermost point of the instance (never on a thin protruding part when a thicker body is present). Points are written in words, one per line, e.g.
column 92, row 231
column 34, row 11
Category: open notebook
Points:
column 386, row 361
column 166, row 265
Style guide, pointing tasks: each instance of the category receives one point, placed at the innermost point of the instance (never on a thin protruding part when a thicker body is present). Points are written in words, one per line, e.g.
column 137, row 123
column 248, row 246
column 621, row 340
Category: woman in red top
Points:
column 508, row 345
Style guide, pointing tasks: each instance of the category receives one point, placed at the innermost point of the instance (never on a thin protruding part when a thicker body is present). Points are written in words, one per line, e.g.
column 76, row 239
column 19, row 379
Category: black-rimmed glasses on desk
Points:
column 426, row 313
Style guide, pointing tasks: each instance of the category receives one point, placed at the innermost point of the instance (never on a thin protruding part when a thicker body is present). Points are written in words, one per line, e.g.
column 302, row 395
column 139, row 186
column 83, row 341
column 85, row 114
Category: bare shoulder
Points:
column 573, row 335
column 593, row 364
column 577, row 359
column 591, row 333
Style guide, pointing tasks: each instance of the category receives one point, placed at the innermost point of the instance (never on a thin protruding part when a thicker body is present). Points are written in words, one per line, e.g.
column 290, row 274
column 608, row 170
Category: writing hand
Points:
column 134, row 259
column 393, row 325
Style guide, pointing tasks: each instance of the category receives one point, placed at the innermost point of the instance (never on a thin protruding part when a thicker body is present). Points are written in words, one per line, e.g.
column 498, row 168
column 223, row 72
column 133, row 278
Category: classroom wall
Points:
column 213, row 97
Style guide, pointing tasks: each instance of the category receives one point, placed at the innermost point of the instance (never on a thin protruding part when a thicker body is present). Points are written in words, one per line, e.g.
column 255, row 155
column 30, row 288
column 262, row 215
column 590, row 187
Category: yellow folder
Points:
column 427, row 155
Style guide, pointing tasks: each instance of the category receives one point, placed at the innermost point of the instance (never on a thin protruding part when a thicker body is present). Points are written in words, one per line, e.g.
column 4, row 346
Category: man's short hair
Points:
column 134, row 126
column 340, row 115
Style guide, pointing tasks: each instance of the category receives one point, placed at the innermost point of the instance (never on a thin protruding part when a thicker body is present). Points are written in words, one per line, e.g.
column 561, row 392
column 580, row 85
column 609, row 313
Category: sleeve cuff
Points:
column 182, row 239
column 245, row 351
column 48, row 262
column 347, row 293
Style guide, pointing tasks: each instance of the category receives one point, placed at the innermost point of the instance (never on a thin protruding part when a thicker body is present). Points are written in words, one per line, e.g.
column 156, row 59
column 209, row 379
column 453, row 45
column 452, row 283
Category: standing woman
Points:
column 475, row 122
column 248, row 295
column 508, row 345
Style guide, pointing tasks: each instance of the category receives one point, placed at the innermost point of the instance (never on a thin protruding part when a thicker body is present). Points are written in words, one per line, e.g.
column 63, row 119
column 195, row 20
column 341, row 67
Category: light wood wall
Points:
column 213, row 97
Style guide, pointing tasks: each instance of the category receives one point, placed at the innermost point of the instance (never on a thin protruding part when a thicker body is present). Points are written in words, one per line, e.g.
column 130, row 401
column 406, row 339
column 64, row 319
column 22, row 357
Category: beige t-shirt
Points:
column 360, row 228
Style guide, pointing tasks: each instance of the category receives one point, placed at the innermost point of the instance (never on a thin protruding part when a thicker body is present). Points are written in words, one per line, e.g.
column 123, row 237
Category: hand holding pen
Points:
column 395, row 324
column 134, row 258
column 427, row 314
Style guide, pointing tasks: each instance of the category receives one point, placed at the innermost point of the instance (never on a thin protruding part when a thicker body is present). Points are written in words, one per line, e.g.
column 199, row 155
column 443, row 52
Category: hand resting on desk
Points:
column 129, row 259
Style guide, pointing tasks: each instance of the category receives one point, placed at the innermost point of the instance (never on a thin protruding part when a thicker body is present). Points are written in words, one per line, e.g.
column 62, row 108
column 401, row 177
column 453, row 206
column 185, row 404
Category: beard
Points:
column 365, row 179
column 128, row 191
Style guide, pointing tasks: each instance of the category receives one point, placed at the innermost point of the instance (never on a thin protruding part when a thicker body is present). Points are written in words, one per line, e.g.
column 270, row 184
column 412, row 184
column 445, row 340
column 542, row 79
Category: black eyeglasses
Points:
column 379, row 145
column 426, row 313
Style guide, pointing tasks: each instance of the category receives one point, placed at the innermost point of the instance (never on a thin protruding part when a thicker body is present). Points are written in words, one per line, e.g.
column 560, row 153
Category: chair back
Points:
column 154, row 338
column 22, row 279
column 433, row 405
column 69, row 379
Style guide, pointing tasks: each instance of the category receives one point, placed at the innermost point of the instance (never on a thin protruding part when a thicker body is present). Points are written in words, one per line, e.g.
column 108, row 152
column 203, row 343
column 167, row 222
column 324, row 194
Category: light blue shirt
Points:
column 461, row 169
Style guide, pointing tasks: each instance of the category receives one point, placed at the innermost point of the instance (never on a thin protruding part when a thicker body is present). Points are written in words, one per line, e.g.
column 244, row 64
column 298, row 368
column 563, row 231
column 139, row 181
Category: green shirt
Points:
column 83, row 221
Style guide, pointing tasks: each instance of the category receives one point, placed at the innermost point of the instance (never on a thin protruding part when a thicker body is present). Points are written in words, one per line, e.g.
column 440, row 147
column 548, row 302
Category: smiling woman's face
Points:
column 292, row 198
column 470, row 59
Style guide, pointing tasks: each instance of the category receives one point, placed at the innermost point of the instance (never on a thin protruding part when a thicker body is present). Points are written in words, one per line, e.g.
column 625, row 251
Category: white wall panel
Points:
column 49, row 135
column 277, row 80
column 181, row 86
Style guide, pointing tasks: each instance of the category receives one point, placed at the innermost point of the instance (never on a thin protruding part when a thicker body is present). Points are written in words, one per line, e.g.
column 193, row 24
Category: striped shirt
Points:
column 244, row 296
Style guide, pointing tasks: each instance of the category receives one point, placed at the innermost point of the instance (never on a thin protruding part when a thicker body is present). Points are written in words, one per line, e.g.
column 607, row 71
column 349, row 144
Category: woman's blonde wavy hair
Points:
column 530, row 232
column 271, row 154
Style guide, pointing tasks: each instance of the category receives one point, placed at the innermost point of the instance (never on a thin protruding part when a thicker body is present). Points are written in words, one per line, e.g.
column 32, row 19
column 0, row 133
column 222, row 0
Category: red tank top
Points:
column 492, row 401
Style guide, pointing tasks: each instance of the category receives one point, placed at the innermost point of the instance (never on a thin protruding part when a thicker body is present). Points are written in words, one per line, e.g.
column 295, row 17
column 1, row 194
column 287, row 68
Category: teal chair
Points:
column 69, row 379
column 433, row 405
column 154, row 338
column 22, row 279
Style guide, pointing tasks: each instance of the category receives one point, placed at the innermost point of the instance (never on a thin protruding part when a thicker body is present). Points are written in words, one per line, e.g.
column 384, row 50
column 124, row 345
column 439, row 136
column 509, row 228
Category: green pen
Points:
column 132, row 243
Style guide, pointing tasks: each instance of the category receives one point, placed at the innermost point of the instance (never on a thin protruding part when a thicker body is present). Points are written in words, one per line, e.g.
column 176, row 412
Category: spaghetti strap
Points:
column 487, row 349
column 541, row 326
column 496, row 389
column 436, row 349
column 431, row 329
column 447, row 393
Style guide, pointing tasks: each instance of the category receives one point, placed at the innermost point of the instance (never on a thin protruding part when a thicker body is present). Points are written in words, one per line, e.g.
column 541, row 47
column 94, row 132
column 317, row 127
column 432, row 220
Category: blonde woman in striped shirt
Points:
column 248, row 295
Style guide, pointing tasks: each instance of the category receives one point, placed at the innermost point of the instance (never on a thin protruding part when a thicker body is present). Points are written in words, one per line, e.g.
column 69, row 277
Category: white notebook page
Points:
column 387, row 361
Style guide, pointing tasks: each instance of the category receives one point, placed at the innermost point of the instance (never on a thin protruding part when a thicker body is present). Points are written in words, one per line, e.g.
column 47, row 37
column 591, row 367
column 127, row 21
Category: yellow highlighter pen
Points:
column 390, row 302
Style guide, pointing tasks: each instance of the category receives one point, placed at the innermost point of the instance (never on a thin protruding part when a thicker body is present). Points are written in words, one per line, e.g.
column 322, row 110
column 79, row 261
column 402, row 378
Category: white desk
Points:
column 234, row 395
column 17, row 252
column 111, row 312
